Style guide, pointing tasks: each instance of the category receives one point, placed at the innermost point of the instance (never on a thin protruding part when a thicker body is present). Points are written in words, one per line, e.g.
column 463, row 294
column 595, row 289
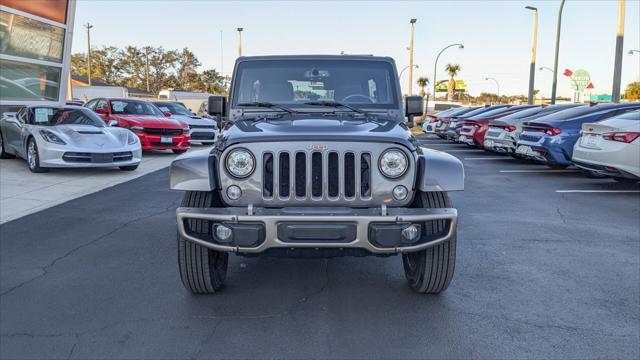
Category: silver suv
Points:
column 315, row 159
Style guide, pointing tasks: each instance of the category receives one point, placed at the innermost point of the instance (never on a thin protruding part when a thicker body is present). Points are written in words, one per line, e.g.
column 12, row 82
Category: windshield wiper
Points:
column 336, row 104
column 265, row 104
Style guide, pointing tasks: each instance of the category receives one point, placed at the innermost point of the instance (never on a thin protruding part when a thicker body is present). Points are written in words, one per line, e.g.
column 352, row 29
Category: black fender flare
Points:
column 195, row 171
column 439, row 171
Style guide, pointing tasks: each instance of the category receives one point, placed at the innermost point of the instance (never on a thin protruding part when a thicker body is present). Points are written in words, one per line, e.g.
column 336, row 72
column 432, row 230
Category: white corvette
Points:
column 68, row 136
column 611, row 147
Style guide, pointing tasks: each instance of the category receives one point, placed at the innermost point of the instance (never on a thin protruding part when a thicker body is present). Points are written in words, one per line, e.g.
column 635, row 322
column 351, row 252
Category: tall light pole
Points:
column 146, row 66
column 240, row 41
column 88, row 27
column 554, row 86
column 534, row 45
column 435, row 66
column 497, row 83
column 617, row 67
column 413, row 23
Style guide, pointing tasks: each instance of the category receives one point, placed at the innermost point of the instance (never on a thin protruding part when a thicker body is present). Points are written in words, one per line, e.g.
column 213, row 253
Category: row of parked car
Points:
column 602, row 139
column 104, row 132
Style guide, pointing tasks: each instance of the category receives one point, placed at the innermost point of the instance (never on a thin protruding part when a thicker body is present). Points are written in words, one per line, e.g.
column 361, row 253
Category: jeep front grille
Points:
column 302, row 175
column 299, row 174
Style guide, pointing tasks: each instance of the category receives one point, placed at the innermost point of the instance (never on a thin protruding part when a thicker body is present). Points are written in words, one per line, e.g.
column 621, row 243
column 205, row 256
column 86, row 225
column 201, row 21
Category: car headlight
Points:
column 393, row 163
column 51, row 137
column 131, row 138
column 240, row 163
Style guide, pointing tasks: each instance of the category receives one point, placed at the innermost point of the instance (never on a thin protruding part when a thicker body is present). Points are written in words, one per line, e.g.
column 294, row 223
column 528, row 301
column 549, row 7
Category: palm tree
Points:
column 422, row 83
column 453, row 70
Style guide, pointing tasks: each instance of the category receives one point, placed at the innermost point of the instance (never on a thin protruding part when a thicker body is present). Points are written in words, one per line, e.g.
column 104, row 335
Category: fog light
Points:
column 411, row 232
column 234, row 192
column 223, row 233
column 400, row 192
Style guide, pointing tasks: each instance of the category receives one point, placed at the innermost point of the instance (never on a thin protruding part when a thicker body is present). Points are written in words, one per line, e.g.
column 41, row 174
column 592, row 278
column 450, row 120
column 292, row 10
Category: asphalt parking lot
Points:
column 544, row 270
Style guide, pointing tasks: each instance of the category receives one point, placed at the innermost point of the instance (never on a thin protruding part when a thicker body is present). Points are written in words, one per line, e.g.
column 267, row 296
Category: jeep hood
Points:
column 318, row 129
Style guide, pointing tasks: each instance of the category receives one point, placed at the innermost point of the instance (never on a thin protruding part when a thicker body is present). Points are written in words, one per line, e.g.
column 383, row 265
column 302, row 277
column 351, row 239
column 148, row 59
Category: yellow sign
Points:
column 443, row 85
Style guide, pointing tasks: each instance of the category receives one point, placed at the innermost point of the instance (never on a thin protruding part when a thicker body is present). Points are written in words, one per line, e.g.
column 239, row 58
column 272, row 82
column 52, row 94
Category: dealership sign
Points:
column 443, row 86
column 580, row 79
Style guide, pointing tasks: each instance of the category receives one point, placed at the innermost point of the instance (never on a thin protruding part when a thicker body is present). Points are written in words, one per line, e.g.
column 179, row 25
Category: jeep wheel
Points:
column 202, row 270
column 430, row 271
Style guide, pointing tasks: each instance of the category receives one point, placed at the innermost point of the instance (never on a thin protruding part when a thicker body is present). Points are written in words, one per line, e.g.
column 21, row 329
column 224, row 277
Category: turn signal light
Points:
column 625, row 137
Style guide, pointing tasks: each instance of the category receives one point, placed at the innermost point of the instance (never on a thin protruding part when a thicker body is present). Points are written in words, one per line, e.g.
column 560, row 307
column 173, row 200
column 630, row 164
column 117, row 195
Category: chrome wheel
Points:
column 32, row 154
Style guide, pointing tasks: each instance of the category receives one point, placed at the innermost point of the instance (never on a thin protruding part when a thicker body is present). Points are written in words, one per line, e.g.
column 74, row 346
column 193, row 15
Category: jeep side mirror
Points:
column 413, row 106
column 217, row 106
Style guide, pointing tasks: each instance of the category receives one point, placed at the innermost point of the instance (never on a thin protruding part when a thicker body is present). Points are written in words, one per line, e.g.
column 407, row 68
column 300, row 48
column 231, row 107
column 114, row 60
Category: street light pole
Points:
column 240, row 41
column 146, row 67
column 405, row 68
column 410, row 89
column 534, row 44
column 435, row 66
column 88, row 27
column 617, row 67
column 555, row 62
column 497, row 83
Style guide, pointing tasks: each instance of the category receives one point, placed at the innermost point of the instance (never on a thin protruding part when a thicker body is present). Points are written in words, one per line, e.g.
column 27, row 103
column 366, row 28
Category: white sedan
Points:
column 203, row 131
column 67, row 136
column 611, row 147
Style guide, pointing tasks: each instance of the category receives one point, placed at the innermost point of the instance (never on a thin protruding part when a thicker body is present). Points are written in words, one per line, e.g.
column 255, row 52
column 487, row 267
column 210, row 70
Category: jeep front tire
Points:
column 430, row 271
column 202, row 270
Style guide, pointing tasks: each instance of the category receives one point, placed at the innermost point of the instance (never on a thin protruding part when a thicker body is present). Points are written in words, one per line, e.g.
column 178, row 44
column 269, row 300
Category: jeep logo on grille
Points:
column 317, row 147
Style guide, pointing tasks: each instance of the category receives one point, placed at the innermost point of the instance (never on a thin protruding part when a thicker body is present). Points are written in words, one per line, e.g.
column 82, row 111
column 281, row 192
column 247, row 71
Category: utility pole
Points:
column 555, row 62
column 240, row 41
column 146, row 55
column 534, row 45
column 410, row 91
column 617, row 67
column 88, row 27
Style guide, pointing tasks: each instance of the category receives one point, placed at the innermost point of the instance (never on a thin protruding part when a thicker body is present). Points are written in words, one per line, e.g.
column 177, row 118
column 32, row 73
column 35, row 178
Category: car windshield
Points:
column 366, row 84
column 522, row 114
column 128, row 107
column 47, row 116
column 173, row 108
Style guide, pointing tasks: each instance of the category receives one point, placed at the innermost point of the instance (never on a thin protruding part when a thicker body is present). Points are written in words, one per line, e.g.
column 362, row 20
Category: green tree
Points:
column 106, row 64
column 452, row 70
column 422, row 83
column 632, row 92
column 213, row 82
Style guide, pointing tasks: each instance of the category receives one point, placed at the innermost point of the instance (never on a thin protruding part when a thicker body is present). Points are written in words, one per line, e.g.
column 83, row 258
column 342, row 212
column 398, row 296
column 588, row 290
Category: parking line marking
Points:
column 598, row 191
column 540, row 171
column 487, row 158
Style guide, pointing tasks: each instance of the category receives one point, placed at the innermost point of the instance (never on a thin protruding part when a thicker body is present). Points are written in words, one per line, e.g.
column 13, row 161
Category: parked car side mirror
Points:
column 166, row 114
column 112, row 123
column 101, row 111
column 413, row 106
column 217, row 106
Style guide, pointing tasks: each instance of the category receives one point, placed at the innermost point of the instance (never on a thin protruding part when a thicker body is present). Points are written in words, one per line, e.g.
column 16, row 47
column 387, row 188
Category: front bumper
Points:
column 375, row 230
column 154, row 142
column 53, row 156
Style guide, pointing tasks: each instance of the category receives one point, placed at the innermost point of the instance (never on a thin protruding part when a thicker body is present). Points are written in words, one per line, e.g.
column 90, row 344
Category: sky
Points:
column 496, row 35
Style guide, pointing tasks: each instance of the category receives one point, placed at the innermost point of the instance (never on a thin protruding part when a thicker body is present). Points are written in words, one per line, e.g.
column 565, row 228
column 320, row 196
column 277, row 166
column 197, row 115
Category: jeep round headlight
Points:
column 393, row 163
column 240, row 163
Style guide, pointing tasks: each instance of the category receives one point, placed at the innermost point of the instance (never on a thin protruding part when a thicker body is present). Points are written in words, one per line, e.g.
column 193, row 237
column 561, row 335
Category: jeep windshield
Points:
column 316, row 84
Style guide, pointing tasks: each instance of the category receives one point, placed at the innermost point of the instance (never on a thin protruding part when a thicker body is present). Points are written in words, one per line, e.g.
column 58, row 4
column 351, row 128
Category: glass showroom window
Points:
column 24, row 37
column 22, row 81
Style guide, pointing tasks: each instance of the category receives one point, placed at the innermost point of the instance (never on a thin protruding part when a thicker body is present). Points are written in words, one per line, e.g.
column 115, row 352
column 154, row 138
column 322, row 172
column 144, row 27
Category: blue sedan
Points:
column 550, row 139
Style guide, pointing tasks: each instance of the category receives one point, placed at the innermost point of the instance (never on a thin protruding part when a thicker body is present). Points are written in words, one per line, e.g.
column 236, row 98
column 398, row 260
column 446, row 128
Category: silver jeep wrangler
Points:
column 315, row 159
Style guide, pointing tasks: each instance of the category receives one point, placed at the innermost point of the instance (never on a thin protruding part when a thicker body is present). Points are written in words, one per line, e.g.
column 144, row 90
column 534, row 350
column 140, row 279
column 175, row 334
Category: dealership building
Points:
column 35, row 51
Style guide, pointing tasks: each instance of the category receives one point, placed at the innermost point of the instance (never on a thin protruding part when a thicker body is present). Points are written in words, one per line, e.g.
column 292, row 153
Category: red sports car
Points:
column 154, row 128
